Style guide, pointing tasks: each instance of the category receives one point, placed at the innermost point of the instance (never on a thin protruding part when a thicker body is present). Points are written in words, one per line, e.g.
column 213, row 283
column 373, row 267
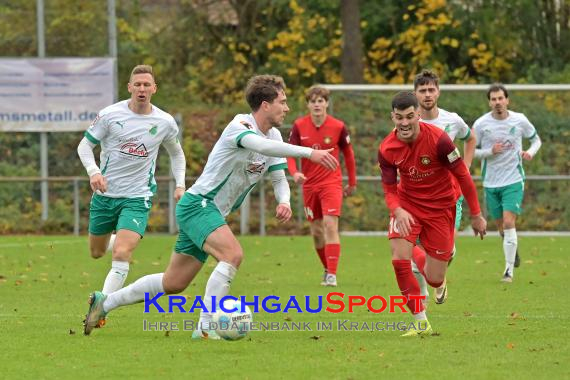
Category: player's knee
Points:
column 121, row 254
column 173, row 286
column 96, row 252
column 235, row 258
column 435, row 282
column 508, row 224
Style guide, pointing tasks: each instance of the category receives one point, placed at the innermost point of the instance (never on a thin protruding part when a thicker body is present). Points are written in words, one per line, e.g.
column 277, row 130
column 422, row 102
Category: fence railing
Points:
column 80, row 189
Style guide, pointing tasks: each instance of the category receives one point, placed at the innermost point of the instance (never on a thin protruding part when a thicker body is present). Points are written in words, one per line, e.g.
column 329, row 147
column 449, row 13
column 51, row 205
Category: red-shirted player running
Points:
column 322, row 189
column 423, row 203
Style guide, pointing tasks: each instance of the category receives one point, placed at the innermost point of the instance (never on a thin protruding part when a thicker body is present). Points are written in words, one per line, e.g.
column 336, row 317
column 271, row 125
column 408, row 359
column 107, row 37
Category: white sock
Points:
column 116, row 276
column 218, row 285
column 111, row 243
column 510, row 248
column 151, row 284
column 421, row 280
column 421, row 316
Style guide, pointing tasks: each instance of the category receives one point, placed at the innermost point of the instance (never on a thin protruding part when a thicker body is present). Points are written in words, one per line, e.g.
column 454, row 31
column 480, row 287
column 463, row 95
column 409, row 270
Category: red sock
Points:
column 332, row 252
column 321, row 253
column 420, row 258
column 407, row 282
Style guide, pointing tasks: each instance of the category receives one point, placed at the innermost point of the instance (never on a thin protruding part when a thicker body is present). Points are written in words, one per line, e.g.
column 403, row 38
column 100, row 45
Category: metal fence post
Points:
column 171, row 207
column 244, row 216
column 76, row 206
column 262, row 207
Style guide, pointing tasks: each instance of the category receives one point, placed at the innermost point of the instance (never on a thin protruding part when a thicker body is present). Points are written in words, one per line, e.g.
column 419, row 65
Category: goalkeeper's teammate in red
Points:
column 422, row 205
column 322, row 189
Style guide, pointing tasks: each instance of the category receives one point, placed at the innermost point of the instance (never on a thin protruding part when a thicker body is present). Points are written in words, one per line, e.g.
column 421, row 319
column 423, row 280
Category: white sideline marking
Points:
column 42, row 244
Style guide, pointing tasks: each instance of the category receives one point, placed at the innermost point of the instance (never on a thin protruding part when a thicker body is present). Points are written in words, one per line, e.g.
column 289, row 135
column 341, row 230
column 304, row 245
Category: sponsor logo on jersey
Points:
column 136, row 150
column 425, row 160
column 255, row 167
column 120, row 124
column 417, row 175
column 246, row 124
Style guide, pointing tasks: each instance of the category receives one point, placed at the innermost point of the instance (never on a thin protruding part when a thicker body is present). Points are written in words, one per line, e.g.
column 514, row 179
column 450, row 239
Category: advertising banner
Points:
column 54, row 94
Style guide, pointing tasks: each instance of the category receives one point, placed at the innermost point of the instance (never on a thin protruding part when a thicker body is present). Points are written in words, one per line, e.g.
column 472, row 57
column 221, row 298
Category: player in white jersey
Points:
column 426, row 89
column 248, row 147
column 499, row 135
column 130, row 133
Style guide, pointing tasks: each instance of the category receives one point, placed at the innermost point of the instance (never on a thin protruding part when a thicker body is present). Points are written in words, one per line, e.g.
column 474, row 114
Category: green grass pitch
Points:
column 486, row 329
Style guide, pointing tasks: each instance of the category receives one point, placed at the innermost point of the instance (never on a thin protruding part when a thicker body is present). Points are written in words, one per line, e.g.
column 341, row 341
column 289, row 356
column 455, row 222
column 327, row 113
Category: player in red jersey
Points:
column 422, row 205
column 322, row 190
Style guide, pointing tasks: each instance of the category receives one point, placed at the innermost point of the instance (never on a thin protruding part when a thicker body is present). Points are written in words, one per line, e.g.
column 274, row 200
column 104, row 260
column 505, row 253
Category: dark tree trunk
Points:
column 352, row 55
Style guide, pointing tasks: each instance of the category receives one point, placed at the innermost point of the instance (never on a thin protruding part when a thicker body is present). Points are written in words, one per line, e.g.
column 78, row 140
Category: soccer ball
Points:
column 233, row 326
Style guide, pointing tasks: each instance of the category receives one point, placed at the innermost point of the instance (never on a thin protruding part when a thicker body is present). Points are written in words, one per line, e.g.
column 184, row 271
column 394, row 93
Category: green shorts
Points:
column 506, row 198
column 458, row 212
column 197, row 218
column 112, row 214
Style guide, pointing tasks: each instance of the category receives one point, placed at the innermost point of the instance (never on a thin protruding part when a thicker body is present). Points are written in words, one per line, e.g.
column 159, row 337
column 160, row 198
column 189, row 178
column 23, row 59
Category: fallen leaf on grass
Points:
column 316, row 337
column 510, row 346
column 71, row 332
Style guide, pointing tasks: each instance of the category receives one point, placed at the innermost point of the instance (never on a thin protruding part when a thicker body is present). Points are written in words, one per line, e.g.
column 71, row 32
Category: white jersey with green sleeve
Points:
column 505, row 168
column 231, row 170
column 451, row 123
column 129, row 147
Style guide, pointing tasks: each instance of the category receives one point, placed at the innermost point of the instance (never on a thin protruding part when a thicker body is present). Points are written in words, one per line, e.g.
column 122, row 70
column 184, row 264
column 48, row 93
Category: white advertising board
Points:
column 54, row 94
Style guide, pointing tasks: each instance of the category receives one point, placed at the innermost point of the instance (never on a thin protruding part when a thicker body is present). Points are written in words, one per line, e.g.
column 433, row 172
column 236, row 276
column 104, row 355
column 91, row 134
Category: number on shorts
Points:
column 393, row 227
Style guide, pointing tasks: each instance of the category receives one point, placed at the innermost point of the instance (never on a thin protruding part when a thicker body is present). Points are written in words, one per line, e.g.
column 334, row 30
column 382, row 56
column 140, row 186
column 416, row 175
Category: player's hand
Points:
column 324, row 158
column 479, row 225
column 299, row 178
column 283, row 212
column 98, row 183
column 178, row 193
column 497, row 148
column 526, row 156
column 349, row 190
column 403, row 222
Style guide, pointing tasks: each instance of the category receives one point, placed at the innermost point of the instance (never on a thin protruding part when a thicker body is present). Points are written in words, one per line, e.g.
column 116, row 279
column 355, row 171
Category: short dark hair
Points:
column 263, row 88
column 497, row 87
column 403, row 100
column 426, row 77
column 317, row 90
column 141, row 69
